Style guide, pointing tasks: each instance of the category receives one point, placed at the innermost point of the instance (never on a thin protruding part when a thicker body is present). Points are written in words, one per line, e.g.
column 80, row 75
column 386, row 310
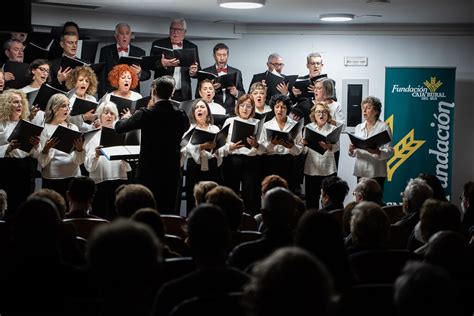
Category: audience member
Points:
column 436, row 186
column 467, row 208
column 80, row 195
column 200, row 190
column 368, row 190
column 131, row 197
column 333, row 192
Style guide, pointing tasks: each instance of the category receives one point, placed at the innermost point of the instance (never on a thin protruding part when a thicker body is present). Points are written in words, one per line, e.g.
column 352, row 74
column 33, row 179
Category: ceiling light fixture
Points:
column 241, row 4
column 336, row 17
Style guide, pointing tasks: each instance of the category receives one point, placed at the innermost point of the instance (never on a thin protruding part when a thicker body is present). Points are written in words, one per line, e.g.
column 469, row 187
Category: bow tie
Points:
column 121, row 49
column 222, row 70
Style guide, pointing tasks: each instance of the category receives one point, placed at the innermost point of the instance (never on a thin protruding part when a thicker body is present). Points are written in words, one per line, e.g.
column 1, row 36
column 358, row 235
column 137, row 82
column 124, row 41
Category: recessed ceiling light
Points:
column 336, row 17
column 378, row 1
column 241, row 4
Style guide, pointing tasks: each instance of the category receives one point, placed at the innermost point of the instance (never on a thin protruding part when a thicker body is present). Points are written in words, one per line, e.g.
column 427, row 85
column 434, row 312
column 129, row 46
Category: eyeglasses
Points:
column 277, row 64
column 175, row 30
column 42, row 69
column 246, row 106
column 317, row 63
column 321, row 112
column 355, row 193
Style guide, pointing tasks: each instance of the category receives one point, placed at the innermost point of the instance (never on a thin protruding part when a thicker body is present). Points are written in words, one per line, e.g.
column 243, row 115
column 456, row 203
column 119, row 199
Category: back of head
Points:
column 370, row 190
column 151, row 218
column 81, row 189
column 122, row 251
column 335, row 188
column 436, row 215
column 229, row 202
column 424, row 289
column 57, row 199
column 200, row 190
column 279, row 209
column 208, row 232
column 436, row 186
column 273, row 181
column 164, row 87
column 3, row 203
column 289, row 282
column 370, row 226
column 131, row 197
column 415, row 194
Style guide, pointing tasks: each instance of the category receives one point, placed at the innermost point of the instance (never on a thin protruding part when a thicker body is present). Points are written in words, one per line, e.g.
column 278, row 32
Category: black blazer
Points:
column 230, row 100
column 185, row 78
column 162, row 128
column 257, row 78
column 53, row 74
column 109, row 55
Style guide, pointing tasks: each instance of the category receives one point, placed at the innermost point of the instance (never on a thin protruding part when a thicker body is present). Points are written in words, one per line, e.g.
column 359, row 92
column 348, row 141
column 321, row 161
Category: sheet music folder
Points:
column 186, row 56
column 372, row 142
column 313, row 138
column 23, row 131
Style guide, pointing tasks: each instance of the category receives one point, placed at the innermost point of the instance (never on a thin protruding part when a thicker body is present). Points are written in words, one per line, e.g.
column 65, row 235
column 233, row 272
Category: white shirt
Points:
column 279, row 149
column 201, row 156
column 100, row 168
column 317, row 164
column 123, row 53
column 335, row 109
column 367, row 164
column 177, row 72
column 216, row 108
column 57, row 164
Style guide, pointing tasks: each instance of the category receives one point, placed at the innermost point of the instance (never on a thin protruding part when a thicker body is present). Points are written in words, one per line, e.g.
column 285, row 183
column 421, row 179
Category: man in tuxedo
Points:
column 111, row 54
column 58, row 75
column 275, row 65
column 162, row 127
column 170, row 67
column 226, row 97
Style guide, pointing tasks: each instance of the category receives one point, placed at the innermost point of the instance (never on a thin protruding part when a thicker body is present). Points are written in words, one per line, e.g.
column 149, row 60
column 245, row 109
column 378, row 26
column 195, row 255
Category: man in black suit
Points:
column 111, row 54
column 226, row 97
column 58, row 75
column 274, row 64
column 162, row 127
column 170, row 67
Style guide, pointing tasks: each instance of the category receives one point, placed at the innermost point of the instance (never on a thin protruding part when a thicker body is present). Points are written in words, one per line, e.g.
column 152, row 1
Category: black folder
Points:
column 273, row 80
column 67, row 136
column 89, row 50
column 34, row 51
column 267, row 116
column 303, row 108
column 219, row 119
column 23, row 131
column 285, row 135
column 372, row 142
column 109, row 138
column 130, row 60
column 186, row 56
column 241, row 130
column 123, row 103
column 68, row 62
column 200, row 137
column 81, row 106
column 149, row 62
column 20, row 71
column 43, row 94
column 313, row 138
column 226, row 81
column 303, row 83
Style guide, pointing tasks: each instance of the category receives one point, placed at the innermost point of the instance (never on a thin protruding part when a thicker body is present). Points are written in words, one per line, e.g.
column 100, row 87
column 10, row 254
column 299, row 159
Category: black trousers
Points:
column 104, row 199
column 313, row 190
column 194, row 175
column 165, row 189
column 245, row 170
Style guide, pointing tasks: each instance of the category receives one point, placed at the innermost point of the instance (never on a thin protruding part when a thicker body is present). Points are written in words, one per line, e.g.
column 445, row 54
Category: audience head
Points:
column 370, row 226
column 467, row 196
column 333, row 190
column 289, row 282
column 273, row 181
column 56, row 198
column 436, row 215
column 151, row 218
column 83, row 79
column 178, row 29
column 279, row 209
column 208, row 234
column 131, row 197
column 124, row 76
column 436, row 186
column 3, row 203
column 230, row 203
column 369, row 190
column 123, row 251
column 415, row 194
column 424, row 289
column 81, row 189
column 200, row 190
column 164, row 87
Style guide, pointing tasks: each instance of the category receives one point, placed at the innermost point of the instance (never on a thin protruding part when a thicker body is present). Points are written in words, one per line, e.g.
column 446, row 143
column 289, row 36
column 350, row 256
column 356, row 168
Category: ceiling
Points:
column 433, row 12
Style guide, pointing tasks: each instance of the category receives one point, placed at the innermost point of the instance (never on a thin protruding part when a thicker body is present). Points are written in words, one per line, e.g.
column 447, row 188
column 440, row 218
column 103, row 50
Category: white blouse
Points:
column 367, row 164
column 216, row 108
column 57, row 164
column 201, row 156
column 317, row 164
column 271, row 149
column 100, row 168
